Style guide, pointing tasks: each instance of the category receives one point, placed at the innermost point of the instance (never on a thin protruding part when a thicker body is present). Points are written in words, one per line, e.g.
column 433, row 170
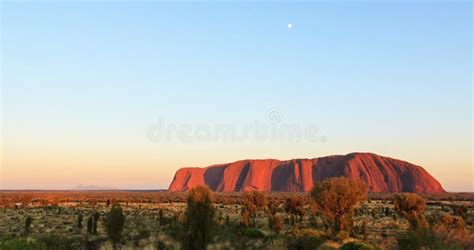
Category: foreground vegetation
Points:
column 336, row 214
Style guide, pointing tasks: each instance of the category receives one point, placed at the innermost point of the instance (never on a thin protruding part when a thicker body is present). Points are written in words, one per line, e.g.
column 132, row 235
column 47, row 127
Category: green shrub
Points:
column 61, row 243
column 423, row 239
column 79, row 221
column 114, row 224
column 90, row 225
column 28, row 224
column 356, row 246
column 160, row 245
column 227, row 232
column 22, row 244
column 253, row 233
column 96, row 216
column 304, row 239
column 174, row 229
column 327, row 247
column 160, row 213
column 143, row 233
column 305, row 242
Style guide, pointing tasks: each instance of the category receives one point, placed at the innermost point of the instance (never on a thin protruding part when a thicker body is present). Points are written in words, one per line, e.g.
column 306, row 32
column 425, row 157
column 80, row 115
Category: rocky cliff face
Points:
column 382, row 174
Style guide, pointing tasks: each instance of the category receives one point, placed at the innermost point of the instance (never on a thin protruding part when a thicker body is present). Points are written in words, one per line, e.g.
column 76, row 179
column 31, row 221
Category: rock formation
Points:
column 382, row 174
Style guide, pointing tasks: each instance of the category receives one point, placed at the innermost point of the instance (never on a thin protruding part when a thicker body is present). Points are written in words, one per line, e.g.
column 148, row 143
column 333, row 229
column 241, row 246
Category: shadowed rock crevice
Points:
column 213, row 175
column 243, row 175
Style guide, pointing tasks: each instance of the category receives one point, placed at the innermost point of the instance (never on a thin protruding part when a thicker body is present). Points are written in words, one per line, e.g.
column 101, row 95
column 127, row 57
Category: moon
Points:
column 290, row 25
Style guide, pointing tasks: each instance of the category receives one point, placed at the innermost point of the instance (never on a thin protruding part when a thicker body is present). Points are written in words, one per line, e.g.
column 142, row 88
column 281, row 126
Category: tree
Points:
column 277, row 224
column 364, row 229
column 373, row 213
column 336, row 198
column 272, row 206
column 115, row 221
column 28, row 224
column 387, row 212
column 245, row 217
column 90, row 225
column 227, row 220
column 461, row 210
column 96, row 217
column 411, row 207
column 254, row 204
column 159, row 245
column 199, row 218
column 451, row 230
column 272, row 210
column 79, row 221
column 160, row 213
column 93, row 202
column 294, row 205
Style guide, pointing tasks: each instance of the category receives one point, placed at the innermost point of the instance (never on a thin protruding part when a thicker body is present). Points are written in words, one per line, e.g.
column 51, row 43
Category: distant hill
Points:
column 382, row 174
column 91, row 187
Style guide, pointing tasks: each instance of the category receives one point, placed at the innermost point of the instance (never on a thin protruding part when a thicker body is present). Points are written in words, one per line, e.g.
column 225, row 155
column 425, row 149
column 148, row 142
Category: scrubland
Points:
column 161, row 220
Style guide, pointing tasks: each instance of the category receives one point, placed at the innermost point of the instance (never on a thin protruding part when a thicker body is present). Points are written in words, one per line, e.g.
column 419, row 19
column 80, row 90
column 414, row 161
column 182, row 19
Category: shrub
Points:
column 356, row 246
column 272, row 210
column 174, row 229
column 227, row 232
column 115, row 221
column 90, row 224
column 342, row 235
column 277, row 224
column 22, row 244
column 160, row 213
column 254, row 204
column 304, row 239
column 61, row 243
column 272, row 207
column 96, row 217
column 28, row 224
column 160, row 245
column 451, row 229
column 143, row 233
column 253, row 233
column 336, row 198
column 461, row 210
column 411, row 207
column 387, row 212
column 422, row 239
column 199, row 214
column 294, row 205
column 245, row 217
column 79, row 221
column 227, row 220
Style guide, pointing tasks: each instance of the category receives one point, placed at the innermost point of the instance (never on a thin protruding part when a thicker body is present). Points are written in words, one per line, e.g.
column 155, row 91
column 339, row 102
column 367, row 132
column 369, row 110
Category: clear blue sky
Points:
column 82, row 81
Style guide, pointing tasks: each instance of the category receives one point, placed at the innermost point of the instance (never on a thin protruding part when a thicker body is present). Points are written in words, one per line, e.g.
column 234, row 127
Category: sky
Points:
column 121, row 94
